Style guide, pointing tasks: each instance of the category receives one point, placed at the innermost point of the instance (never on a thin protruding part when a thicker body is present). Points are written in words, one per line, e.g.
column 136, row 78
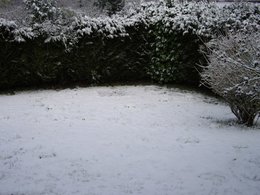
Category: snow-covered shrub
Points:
column 12, row 40
column 42, row 10
column 240, row 17
column 110, row 49
column 180, row 30
column 176, row 48
column 81, row 49
column 11, row 32
column 234, row 73
column 153, row 40
column 110, row 6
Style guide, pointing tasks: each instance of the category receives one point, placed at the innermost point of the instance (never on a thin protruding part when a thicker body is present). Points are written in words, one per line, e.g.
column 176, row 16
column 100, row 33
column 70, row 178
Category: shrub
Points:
column 152, row 41
column 234, row 73
column 110, row 6
column 181, row 29
column 42, row 10
column 89, row 50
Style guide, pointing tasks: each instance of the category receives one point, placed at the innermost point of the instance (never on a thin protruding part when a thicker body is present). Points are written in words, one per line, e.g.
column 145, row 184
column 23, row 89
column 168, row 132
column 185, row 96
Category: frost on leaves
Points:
column 234, row 73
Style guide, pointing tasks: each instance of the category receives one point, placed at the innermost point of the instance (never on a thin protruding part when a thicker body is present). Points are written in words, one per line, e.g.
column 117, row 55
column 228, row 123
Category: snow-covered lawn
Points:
column 146, row 140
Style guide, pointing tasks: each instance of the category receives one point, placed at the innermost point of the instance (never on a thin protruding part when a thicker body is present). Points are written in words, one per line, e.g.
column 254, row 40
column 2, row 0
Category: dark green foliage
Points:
column 152, row 43
column 42, row 10
column 176, row 58
column 99, row 59
column 111, row 6
column 30, row 63
column 4, row 2
column 95, row 59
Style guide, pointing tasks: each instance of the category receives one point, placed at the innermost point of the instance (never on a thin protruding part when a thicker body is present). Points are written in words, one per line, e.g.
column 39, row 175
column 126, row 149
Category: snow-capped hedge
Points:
column 181, row 30
column 81, row 49
column 152, row 41
column 202, row 19
column 10, row 32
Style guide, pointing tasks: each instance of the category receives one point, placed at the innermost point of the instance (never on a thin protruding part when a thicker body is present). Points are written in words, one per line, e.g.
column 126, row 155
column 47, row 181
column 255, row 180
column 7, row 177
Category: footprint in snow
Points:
column 80, row 175
column 255, row 161
column 52, row 155
column 108, row 93
column 2, row 176
column 188, row 140
column 240, row 147
column 214, row 178
column 255, row 178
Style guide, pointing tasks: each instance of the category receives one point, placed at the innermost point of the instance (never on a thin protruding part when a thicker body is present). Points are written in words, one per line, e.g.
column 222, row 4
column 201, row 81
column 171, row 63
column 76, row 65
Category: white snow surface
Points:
column 147, row 140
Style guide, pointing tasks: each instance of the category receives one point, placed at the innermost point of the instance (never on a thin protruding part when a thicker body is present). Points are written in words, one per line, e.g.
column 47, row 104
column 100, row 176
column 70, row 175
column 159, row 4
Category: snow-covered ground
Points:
column 145, row 140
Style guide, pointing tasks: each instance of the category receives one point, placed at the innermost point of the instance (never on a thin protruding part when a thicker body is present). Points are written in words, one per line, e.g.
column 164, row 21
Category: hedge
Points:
column 152, row 42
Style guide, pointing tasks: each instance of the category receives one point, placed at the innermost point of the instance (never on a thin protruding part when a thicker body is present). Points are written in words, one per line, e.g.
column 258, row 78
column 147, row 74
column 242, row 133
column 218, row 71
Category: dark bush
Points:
column 117, row 59
column 153, row 41
column 110, row 6
column 176, row 58
column 93, row 58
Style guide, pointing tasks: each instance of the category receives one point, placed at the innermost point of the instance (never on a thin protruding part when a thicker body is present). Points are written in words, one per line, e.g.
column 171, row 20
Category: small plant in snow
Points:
column 234, row 73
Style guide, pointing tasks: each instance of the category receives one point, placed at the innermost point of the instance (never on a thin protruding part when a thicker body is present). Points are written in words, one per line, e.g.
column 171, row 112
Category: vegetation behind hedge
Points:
column 154, row 41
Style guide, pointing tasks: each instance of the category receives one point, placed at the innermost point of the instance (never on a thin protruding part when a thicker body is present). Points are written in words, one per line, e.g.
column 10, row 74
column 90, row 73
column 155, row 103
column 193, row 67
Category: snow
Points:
column 146, row 140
